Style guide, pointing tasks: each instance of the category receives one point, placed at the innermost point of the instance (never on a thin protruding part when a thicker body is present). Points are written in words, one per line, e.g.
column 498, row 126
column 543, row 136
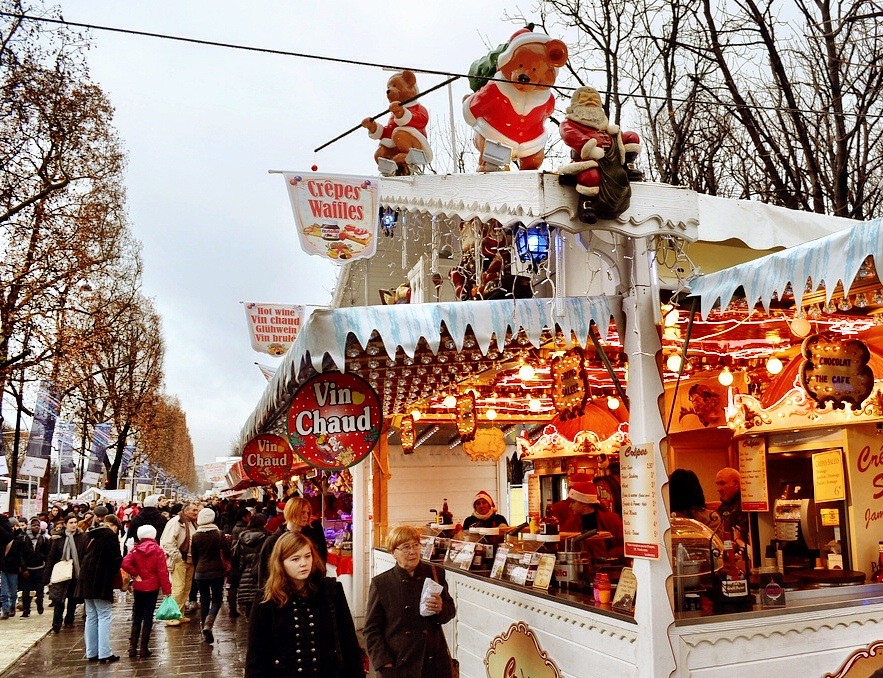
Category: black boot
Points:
column 145, row 642
column 231, row 603
column 587, row 210
column 133, row 640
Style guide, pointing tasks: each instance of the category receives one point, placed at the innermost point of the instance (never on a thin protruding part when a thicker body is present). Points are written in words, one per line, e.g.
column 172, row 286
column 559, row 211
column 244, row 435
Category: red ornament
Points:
column 314, row 168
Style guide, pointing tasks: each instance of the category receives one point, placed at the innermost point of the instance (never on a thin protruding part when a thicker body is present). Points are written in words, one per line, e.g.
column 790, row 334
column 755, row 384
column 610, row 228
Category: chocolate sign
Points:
column 569, row 385
column 836, row 371
column 334, row 420
column 267, row 459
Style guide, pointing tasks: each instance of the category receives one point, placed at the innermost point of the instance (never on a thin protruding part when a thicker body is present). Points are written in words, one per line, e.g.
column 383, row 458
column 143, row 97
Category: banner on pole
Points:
column 100, row 443
column 66, row 453
column 39, row 448
column 336, row 215
column 273, row 328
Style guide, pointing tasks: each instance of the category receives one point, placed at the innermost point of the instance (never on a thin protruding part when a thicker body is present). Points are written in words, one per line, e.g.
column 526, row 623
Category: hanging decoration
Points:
column 836, row 371
column 272, row 328
column 489, row 444
column 267, row 459
column 334, row 420
column 484, row 270
column 464, row 414
column 407, row 435
column 570, row 388
column 335, row 215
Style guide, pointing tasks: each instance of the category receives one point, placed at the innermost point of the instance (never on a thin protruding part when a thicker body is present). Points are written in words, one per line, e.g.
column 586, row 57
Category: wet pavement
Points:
column 177, row 650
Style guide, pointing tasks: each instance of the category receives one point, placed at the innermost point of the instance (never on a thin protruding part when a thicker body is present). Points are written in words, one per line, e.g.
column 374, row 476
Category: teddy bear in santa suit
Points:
column 514, row 113
column 406, row 127
column 601, row 154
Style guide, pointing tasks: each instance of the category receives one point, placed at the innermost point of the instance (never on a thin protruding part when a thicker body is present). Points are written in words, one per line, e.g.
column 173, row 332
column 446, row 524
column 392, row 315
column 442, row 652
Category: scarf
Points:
column 70, row 552
column 484, row 516
column 207, row 528
column 185, row 545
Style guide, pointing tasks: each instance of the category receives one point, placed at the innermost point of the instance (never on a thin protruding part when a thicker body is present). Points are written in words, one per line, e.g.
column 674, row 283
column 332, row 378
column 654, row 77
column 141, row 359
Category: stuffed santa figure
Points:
column 599, row 150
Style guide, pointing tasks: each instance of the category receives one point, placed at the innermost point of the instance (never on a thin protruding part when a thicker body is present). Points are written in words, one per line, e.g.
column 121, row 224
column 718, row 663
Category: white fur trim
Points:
column 405, row 119
column 523, row 102
column 632, row 148
column 518, row 41
column 467, row 114
column 424, row 142
column 591, row 151
column 518, row 150
column 577, row 167
column 590, row 191
column 584, row 498
column 378, row 131
column 613, row 128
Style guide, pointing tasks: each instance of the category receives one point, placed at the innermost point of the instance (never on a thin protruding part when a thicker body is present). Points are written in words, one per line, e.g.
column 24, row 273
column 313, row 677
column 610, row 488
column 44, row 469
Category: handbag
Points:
column 122, row 580
column 62, row 571
column 169, row 610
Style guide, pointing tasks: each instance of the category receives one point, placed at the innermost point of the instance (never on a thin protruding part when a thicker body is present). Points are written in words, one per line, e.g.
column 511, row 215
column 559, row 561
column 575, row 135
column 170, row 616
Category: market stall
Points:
column 457, row 405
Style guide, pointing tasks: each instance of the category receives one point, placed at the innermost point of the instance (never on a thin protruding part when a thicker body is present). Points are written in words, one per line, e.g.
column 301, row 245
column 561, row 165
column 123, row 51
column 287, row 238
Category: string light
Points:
column 672, row 317
column 673, row 363
column 534, row 405
column 450, row 402
column 800, row 326
column 612, row 403
column 526, row 372
column 491, row 414
column 725, row 377
column 416, row 414
column 774, row 365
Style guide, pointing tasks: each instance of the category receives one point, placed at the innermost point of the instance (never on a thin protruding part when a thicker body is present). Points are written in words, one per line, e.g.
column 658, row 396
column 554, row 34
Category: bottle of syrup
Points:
column 445, row 517
column 549, row 523
column 731, row 591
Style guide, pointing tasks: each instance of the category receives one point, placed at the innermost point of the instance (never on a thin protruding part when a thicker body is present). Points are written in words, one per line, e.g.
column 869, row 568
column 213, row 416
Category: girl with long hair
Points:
column 303, row 625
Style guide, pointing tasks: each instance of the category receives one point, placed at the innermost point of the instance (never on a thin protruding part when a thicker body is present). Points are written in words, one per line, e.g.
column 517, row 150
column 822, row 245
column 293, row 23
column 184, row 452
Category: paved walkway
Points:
column 178, row 651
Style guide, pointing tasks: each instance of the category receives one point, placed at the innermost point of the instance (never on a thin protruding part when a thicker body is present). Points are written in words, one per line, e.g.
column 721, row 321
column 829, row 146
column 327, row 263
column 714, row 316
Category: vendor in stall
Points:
column 588, row 514
column 484, row 513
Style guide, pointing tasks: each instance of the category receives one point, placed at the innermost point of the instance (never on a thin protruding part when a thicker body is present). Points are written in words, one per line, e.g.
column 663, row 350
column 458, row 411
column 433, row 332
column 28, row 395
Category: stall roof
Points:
column 826, row 261
column 322, row 343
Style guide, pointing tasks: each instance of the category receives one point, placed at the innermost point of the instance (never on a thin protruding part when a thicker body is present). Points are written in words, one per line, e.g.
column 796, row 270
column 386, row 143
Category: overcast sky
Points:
column 202, row 125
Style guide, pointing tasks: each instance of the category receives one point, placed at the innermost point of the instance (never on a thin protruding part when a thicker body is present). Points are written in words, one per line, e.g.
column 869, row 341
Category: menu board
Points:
column 460, row 554
column 545, row 569
column 828, row 481
column 640, row 512
column 752, row 470
column 533, row 494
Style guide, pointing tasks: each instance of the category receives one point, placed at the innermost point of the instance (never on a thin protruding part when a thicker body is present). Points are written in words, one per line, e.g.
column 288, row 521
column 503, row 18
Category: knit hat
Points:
column 483, row 495
column 524, row 36
column 147, row 532
column 100, row 511
column 206, row 517
column 583, row 491
column 151, row 500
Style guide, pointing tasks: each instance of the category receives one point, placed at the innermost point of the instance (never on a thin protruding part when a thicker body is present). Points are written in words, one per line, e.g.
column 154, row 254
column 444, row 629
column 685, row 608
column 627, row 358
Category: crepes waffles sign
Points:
column 334, row 420
column 336, row 215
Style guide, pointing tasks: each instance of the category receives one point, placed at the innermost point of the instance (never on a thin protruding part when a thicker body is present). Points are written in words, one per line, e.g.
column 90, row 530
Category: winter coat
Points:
column 173, row 537
column 37, row 552
column 238, row 528
column 16, row 557
column 285, row 641
column 246, row 561
column 396, row 633
column 206, row 547
column 149, row 515
column 148, row 561
column 5, row 534
column 100, row 566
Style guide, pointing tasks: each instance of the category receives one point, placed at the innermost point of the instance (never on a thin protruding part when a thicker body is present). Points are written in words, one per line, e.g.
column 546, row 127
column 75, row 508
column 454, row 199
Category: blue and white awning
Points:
column 826, row 261
column 405, row 325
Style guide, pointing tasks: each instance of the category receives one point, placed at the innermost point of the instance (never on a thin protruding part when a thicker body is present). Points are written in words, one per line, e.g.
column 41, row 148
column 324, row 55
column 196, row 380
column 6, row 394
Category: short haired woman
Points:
column 401, row 642
column 303, row 625
column 99, row 567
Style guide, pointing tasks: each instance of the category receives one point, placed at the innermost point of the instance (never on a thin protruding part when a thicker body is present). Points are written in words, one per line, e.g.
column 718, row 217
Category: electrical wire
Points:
column 428, row 71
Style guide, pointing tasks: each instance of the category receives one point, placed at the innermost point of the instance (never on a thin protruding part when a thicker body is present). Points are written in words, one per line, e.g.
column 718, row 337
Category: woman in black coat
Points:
column 68, row 543
column 246, row 563
column 99, row 568
column 401, row 642
column 303, row 625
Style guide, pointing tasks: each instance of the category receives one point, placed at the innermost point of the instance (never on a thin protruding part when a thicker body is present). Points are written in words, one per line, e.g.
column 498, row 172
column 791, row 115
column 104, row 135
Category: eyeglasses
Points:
column 410, row 546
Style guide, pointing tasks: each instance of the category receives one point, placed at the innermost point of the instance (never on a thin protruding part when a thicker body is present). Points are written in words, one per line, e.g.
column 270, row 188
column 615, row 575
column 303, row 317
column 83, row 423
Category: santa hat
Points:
column 524, row 36
column 483, row 495
column 583, row 491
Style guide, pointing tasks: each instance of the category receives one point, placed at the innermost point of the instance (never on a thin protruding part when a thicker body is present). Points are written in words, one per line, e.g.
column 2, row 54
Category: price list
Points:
column 640, row 514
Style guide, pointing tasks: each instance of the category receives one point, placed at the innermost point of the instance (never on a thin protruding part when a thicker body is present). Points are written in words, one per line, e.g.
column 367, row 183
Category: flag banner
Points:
column 336, row 215
column 273, row 328
column 268, row 372
column 42, row 429
column 66, row 453
column 128, row 453
column 98, row 453
column 215, row 472
column 142, row 475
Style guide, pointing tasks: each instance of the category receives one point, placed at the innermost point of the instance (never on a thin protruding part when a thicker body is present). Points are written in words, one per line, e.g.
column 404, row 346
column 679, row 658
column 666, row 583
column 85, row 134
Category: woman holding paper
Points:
column 402, row 626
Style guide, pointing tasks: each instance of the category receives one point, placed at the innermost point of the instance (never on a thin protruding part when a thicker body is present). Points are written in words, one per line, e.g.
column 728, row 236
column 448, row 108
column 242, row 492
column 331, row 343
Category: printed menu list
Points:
column 752, row 469
column 640, row 512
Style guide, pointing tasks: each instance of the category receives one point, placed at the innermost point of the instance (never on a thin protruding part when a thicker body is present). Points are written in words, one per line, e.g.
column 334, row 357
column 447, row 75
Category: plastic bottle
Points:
column 549, row 524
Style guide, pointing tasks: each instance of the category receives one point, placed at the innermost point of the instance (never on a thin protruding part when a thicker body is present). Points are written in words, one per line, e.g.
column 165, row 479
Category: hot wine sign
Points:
column 334, row 420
